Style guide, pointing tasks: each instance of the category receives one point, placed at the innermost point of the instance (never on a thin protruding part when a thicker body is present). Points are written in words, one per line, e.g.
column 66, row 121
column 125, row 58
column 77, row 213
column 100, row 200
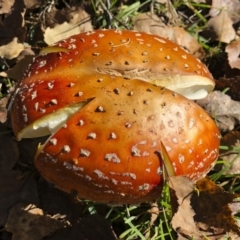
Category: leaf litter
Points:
column 224, row 110
column 203, row 209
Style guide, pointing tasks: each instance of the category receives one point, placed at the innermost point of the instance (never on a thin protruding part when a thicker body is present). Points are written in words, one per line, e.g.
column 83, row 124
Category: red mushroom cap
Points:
column 106, row 124
column 127, row 54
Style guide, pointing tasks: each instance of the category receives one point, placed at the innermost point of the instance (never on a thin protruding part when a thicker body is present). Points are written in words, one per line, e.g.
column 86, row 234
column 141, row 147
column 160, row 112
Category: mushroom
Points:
column 135, row 55
column 102, row 97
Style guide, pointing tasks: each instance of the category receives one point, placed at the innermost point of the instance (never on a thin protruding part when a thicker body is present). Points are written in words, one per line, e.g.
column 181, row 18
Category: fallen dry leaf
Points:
column 12, row 25
column 6, row 6
column 27, row 222
column 2, row 74
column 233, row 51
column 223, row 109
column 151, row 23
column 219, row 218
column 222, row 25
column 195, row 216
column 231, row 139
column 232, row 8
column 182, row 221
column 183, row 38
column 3, row 110
column 217, row 6
column 12, row 49
column 31, row 4
column 20, row 67
column 21, row 63
column 79, row 22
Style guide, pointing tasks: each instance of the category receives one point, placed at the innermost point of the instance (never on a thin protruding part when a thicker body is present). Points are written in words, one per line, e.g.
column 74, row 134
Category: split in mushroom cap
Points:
column 134, row 55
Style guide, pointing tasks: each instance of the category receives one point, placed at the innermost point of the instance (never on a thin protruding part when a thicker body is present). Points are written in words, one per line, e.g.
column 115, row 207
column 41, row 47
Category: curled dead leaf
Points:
column 217, row 219
column 18, row 70
column 12, row 49
column 222, row 25
column 233, row 51
column 31, row 4
column 27, row 222
column 231, row 7
column 151, row 23
column 6, row 6
column 3, row 110
column 202, row 209
column 223, row 109
column 79, row 22
column 182, row 221
column 12, row 27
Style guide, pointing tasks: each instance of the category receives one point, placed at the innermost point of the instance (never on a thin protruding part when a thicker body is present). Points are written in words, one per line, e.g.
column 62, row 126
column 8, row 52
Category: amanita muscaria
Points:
column 102, row 97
